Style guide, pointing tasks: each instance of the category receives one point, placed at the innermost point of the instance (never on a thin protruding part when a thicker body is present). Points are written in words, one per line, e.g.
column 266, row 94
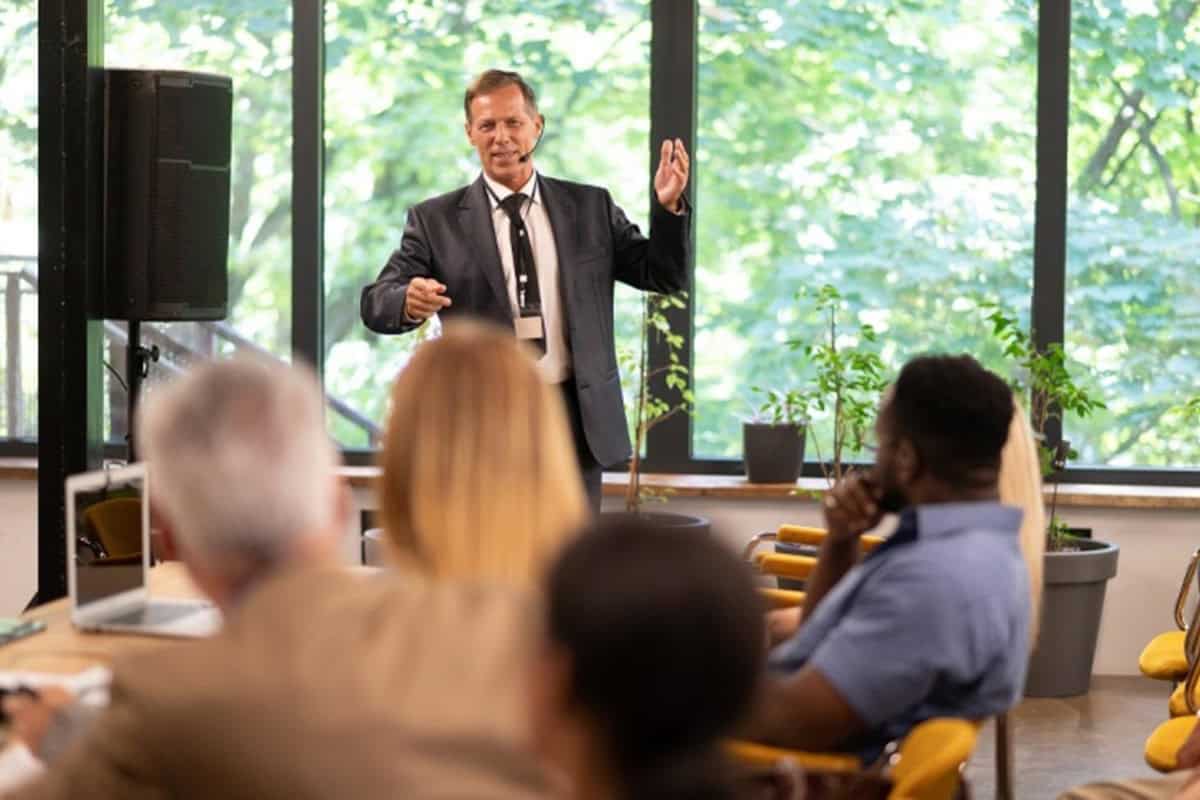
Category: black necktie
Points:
column 529, row 298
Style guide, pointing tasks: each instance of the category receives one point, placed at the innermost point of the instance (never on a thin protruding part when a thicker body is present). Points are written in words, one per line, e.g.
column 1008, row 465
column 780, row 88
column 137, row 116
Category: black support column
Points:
column 308, row 156
column 1050, row 210
column 674, row 32
column 70, row 248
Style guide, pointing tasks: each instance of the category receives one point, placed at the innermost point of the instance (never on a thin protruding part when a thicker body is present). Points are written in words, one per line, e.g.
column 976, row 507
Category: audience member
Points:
column 936, row 621
column 653, row 649
column 1020, row 486
column 323, row 683
column 479, row 473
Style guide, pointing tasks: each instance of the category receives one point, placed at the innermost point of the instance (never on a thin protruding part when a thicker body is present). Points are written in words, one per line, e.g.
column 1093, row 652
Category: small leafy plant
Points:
column 848, row 380
column 782, row 407
column 646, row 410
column 1044, row 379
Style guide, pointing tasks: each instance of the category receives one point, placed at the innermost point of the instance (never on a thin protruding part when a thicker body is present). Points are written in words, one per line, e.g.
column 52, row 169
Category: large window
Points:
column 884, row 148
column 252, row 44
column 395, row 76
column 889, row 149
column 1133, row 234
column 18, row 218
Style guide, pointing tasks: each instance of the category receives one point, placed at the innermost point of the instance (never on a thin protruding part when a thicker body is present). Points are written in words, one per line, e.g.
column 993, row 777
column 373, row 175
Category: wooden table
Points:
column 63, row 649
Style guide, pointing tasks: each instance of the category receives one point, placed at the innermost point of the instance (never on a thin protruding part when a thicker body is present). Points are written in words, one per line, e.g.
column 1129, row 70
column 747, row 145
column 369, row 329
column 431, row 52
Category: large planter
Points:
column 773, row 453
column 1072, row 604
column 667, row 519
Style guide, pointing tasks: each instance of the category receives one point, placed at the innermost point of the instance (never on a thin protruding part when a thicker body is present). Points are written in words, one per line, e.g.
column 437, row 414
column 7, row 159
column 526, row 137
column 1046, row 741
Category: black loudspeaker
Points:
column 167, row 144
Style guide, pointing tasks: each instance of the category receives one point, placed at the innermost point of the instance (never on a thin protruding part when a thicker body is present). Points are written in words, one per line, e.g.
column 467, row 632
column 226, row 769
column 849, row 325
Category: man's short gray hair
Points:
column 239, row 458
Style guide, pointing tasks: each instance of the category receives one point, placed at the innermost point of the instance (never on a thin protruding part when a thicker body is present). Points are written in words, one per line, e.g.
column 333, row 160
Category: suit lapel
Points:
column 560, row 208
column 475, row 216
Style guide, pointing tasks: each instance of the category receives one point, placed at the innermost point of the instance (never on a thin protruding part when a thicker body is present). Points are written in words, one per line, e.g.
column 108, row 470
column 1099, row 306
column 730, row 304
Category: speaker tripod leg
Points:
column 137, row 368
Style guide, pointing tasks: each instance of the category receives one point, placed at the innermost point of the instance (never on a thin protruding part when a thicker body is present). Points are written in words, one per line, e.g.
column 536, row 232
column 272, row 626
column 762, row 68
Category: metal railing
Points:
column 22, row 281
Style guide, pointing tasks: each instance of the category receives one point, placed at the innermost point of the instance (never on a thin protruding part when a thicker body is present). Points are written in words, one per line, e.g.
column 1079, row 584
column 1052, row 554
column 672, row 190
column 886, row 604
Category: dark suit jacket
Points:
column 451, row 239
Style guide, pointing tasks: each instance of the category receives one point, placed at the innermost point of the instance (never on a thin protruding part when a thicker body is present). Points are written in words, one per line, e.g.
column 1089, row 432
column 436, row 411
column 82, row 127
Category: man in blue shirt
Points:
column 935, row 621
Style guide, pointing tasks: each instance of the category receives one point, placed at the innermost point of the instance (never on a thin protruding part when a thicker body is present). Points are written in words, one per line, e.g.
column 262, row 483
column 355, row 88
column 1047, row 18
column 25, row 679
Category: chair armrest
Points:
column 801, row 534
column 785, row 566
column 782, row 598
column 753, row 754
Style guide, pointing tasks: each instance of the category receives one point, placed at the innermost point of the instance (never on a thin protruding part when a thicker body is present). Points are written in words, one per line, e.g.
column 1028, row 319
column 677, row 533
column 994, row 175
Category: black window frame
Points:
column 673, row 112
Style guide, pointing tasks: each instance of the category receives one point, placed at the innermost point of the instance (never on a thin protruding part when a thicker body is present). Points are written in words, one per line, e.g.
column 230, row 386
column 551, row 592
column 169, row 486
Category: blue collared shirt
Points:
column 934, row 623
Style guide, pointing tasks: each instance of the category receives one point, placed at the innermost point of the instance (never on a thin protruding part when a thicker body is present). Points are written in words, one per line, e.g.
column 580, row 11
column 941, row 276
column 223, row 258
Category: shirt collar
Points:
column 946, row 519
column 499, row 191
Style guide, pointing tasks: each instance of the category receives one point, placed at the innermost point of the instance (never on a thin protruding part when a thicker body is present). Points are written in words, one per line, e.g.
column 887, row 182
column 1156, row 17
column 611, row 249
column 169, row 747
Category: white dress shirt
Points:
column 555, row 365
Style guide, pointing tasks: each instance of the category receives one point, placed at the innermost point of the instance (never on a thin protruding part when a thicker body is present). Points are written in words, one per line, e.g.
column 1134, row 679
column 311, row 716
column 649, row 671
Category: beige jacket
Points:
column 323, row 685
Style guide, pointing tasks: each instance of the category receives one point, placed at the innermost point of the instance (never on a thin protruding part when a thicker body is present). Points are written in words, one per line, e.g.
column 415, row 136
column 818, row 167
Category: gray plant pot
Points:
column 1072, row 604
column 668, row 519
column 773, row 453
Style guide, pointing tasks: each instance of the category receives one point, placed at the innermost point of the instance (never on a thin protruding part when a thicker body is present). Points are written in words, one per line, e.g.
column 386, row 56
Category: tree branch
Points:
column 1108, row 146
column 1160, row 161
column 1129, row 441
column 1121, row 166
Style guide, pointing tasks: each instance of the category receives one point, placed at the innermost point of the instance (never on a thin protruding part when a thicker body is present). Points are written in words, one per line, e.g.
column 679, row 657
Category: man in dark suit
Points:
column 540, row 255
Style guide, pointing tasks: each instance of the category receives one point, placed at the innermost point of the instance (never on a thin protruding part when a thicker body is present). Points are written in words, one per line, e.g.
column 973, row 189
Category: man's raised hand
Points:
column 672, row 176
column 424, row 298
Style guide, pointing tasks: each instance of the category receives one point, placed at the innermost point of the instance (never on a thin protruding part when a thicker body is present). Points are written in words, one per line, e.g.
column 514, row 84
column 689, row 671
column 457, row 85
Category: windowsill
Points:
column 735, row 487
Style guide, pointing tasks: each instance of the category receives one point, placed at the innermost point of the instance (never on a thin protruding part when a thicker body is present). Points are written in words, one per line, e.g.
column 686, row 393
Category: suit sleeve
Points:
column 655, row 264
column 382, row 303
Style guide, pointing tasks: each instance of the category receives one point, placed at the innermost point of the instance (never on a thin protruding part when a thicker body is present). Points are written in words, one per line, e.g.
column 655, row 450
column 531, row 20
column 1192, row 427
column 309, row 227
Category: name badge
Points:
column 530, row 327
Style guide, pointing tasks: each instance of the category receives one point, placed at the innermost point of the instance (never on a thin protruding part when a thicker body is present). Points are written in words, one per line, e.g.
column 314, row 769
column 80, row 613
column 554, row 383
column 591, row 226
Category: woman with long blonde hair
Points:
column 1021, row 486
column 480, row 480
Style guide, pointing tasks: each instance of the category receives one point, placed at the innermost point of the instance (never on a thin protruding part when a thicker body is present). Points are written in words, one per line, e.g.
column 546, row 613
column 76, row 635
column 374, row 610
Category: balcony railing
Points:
column 20, row 281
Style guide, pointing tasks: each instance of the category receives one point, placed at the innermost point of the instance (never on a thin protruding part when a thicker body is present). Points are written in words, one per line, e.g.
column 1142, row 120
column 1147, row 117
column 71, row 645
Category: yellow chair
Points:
column 117, row 525
column 1178, row 706
column 1165, row 658
column 927, row 765
column 782, row 598
column 766, row 757
column 1162, row 748
column 802, row 535
column 782, row 565
column 931, row 758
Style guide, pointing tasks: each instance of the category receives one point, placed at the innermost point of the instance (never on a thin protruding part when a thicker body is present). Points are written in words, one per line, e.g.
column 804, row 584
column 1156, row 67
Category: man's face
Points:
column 501, row 130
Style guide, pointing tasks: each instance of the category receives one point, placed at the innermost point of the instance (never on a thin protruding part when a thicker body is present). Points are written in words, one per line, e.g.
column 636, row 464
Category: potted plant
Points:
column 645, row 411
column 773, row 441
column 848, row 380
column 1076, row 570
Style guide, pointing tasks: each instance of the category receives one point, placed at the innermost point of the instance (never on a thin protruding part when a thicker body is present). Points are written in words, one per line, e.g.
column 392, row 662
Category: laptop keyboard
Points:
column 156, row 614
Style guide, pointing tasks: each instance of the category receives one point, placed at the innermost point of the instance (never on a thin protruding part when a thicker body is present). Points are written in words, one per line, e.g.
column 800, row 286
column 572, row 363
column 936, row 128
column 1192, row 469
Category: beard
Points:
column 893, row 500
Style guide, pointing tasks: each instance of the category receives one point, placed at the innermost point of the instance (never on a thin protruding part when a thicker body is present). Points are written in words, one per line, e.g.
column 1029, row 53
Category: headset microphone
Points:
column 525, row 158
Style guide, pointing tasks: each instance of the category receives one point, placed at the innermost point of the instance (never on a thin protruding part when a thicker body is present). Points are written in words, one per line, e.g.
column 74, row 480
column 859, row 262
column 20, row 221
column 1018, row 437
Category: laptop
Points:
column 108, row 560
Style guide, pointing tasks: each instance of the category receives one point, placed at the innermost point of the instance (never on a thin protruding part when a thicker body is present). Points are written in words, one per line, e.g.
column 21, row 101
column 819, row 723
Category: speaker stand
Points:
column 137, row 369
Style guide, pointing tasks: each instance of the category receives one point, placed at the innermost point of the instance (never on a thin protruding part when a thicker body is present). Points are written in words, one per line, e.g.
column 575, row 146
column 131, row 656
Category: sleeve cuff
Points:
column 684, row 207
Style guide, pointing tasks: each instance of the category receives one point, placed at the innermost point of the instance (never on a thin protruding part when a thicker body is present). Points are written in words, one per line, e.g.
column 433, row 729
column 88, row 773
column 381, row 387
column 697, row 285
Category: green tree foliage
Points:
column 888, row 148
column 885, row 147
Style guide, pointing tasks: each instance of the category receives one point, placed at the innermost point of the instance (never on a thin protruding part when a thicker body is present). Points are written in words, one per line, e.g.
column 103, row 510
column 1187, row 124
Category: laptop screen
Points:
column 109, row 536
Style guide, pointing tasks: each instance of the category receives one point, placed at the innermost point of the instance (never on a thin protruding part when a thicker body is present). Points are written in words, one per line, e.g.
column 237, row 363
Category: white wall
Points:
column 18, row 545
column 1155, row 545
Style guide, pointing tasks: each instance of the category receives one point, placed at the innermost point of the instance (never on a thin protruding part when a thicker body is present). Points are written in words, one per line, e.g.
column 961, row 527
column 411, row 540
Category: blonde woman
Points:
column 1021, row 486
column 479, row 480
